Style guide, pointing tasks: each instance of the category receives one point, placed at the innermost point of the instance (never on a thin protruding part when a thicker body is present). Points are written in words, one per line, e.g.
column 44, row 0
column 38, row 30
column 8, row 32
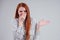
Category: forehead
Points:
column 21, row 8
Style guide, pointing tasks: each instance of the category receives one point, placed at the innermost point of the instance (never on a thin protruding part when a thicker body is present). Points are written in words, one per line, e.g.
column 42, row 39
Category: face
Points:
column 22, row 13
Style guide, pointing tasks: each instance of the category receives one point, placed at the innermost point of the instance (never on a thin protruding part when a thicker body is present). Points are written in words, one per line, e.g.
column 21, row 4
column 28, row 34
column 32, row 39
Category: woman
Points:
column 26, row 27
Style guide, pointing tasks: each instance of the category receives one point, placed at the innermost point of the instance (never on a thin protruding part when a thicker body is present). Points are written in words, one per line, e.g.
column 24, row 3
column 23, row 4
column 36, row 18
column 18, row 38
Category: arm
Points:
column 35, row 33
column 37, row 28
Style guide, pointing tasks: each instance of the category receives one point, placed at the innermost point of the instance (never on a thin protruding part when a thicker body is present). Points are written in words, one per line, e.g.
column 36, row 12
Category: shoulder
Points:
column 33, row 21
column 14, row 21
column 14, row 24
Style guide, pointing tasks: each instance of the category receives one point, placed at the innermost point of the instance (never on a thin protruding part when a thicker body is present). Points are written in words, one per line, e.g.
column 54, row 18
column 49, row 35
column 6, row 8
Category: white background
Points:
column 39, row 9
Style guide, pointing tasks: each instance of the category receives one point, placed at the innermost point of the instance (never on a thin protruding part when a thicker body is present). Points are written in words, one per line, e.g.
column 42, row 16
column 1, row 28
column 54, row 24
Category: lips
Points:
column 21, row 14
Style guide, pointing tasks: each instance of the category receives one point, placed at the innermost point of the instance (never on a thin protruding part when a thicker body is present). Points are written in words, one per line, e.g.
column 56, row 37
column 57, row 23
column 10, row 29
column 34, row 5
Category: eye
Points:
column 20, row 11
column 25, row 11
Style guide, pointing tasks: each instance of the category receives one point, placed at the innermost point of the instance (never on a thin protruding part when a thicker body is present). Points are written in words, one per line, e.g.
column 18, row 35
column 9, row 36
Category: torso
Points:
column 20, row 31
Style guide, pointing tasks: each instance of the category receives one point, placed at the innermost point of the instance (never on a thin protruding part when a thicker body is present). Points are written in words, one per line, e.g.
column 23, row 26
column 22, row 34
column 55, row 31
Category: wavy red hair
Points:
column 27, row 20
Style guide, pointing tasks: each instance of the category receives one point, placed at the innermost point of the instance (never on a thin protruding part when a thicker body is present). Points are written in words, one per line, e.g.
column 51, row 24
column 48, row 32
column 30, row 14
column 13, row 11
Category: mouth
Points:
column 20, row 14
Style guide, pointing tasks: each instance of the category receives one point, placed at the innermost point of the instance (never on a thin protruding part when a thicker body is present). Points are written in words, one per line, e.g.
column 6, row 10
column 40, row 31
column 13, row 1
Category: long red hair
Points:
column 27, row 20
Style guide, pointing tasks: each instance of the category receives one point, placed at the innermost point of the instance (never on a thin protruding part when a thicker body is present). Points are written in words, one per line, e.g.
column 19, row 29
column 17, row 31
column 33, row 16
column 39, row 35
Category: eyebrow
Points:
column 23, row 10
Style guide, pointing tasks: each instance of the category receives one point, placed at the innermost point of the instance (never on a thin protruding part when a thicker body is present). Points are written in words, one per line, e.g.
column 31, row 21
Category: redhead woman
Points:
column 26, row 27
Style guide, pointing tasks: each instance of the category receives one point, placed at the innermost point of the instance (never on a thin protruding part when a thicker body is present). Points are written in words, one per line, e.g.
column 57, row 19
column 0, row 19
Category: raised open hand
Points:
column 42, row 23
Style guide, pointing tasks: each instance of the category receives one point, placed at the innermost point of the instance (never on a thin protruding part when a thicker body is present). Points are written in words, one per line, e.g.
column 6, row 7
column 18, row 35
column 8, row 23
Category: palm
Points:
column 42, row 23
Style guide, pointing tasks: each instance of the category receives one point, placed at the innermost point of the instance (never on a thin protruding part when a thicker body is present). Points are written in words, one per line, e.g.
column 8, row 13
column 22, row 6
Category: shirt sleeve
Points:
column 13, row 27
column 13, row 24
column 36, row 33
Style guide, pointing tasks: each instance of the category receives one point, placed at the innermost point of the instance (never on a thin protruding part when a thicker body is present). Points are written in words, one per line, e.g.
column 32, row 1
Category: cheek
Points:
column 24, row 15
column 19, row 13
